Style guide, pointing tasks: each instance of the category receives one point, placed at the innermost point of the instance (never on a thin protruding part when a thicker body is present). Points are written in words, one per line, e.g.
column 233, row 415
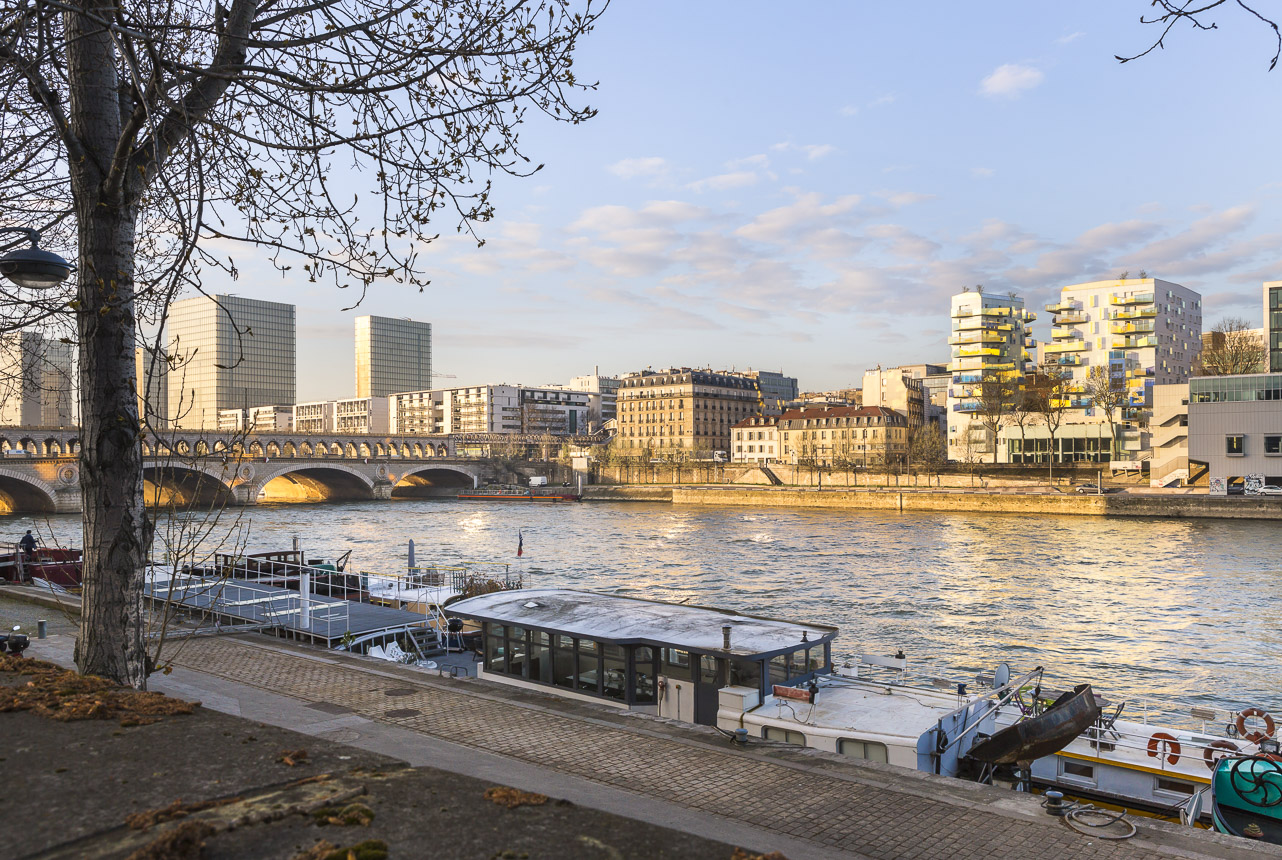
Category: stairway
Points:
column 770, row 476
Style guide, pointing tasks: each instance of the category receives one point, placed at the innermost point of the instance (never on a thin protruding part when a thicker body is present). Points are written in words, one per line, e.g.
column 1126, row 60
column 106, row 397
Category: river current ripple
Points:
column 1172, row 609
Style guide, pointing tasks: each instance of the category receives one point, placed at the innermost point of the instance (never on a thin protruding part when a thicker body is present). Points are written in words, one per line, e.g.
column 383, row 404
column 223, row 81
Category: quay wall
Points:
column 613, row 493
column 996, row 503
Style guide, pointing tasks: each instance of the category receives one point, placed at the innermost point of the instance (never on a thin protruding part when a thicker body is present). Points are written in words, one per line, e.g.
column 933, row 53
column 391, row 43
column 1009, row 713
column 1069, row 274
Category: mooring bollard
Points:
column 42, row 629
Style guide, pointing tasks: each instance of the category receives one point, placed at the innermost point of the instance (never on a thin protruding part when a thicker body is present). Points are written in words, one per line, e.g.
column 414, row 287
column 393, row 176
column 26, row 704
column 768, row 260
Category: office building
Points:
column 1143, row 332
column 605, row 389
column 363, row 415
column 1273, row 324
column 151, row 370
column 990, row 345
column 232, row 352
column 1235, row 431
column 843, row 436
column 755, row 440
column 314, row 417
column 392, row 355
column 36, row 387
column 681, row 409
column 491, row 409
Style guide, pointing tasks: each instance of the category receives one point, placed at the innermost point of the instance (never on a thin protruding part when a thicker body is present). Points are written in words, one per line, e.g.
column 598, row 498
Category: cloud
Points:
column 983, row 172
column 723, row 181
column 631, row 168
column 848, row 110
column 601, row 219
column 1010, row 81
column 807, row 210
column 887, row 99
column 903, row 198
column 1071, row 37
column 812, row 151
column 760, row 161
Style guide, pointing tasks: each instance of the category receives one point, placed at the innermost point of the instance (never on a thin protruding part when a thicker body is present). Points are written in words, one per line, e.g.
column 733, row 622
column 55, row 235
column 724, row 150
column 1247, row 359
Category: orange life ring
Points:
column 1255, row 737
column 1171, row 746
column 1208, row 754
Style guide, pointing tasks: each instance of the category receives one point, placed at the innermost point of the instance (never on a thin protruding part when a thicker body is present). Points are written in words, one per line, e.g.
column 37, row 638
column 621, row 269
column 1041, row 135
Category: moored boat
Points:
column 1246, row 797
column 519, row 496
column 54, row 565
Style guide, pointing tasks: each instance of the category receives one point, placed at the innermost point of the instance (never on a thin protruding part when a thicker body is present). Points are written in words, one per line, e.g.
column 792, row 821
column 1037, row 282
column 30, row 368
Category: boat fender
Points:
column 1169, row 744
column 941, row 742
column 1209, row 756
column 1256, row 736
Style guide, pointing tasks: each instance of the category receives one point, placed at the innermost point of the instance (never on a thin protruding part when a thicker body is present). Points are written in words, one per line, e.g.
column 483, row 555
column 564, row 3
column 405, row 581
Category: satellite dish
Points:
column 1001, row 677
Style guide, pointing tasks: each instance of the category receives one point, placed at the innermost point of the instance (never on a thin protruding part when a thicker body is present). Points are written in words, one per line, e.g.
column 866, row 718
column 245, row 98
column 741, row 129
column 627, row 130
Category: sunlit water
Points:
column 1140, row 607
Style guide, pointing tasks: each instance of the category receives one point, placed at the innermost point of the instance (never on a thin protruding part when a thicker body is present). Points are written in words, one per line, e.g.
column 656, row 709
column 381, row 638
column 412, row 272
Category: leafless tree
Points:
column 1231, row 347
column 1196, row 14
column 994, row 401
column 1023, row 414
column 1108, row 394
column 154, row 136
column 1051, row 390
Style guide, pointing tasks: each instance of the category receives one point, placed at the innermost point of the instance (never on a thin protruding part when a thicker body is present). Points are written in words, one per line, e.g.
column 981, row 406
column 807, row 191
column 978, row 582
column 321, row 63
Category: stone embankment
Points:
column 957, row 501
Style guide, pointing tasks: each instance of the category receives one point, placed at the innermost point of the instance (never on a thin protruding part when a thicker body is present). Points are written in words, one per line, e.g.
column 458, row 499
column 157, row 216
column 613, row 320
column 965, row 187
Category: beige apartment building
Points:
column 682, row 409
column 755, row 440
column 843, row 436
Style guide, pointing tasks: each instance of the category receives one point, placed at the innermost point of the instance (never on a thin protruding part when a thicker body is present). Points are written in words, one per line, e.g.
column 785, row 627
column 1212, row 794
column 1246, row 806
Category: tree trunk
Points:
column 115, row 526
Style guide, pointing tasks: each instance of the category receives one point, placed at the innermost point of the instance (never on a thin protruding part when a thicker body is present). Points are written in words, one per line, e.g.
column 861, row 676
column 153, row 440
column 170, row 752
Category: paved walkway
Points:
column 835, row 806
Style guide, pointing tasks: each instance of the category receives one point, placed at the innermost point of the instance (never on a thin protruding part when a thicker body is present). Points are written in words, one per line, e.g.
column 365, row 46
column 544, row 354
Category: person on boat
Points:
column 28, row 544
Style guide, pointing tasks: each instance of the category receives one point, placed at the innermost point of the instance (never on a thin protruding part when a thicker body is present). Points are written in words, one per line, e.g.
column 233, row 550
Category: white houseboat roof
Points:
column 612, row 618
column 866, row 708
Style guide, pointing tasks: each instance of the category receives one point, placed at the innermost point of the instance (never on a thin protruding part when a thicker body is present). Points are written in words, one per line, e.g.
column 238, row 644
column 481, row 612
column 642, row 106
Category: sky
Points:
column 800, row 187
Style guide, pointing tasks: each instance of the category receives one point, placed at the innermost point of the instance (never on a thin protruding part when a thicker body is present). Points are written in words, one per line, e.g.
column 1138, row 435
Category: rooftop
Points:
column 612, row 618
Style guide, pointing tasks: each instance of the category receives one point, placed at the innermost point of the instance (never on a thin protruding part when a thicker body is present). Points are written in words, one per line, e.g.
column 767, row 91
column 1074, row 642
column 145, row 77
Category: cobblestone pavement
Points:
column 845, row 812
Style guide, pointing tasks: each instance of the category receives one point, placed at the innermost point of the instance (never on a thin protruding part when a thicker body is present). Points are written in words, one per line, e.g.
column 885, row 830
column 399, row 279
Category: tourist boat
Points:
column 774, row 680
column 518, row 495
column 53, row 565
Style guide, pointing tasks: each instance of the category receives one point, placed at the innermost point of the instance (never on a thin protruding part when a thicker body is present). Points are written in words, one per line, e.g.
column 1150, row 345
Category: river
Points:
column 1173, row 609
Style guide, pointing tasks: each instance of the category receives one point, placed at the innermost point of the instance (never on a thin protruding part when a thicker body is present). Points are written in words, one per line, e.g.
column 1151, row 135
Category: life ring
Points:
column 1256, row 736
column 1170, row 744
column 1209, row 756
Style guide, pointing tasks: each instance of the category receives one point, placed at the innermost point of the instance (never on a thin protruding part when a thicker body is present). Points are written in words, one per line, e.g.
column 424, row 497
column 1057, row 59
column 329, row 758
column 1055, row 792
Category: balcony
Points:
column 1073, row 318
column 1134, row 342
column 1066, row 346
column 1133, row 299
column 1130, row 327
column 977, row 336
column 964, row 378
column 1061, row 306
column 965, row 407
column 972, row 351
column 1065, row 333
column 1066, row 361
column 1140, row 372
column 1148, row 312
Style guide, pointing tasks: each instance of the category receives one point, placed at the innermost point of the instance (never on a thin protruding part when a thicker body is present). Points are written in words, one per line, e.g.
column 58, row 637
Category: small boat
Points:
column 1044, row 734
column 1246, row 797
column 518, row 495
column 54, row 565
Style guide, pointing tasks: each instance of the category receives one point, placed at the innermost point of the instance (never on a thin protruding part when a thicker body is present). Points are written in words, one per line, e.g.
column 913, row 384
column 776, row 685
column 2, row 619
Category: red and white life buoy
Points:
column 1209, row 756
column 1168, row 744
column 1256, row 736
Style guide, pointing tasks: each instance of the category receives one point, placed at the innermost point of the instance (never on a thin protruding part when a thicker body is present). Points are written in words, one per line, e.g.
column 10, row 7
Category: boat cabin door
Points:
column 709, row 679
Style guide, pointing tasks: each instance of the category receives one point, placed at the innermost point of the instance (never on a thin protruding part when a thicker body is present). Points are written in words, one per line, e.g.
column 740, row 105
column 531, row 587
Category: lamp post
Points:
column 34, row 267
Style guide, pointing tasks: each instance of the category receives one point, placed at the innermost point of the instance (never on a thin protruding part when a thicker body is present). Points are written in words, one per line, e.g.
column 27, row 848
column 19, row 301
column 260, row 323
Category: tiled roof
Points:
column 758, row 421
column 838, row 412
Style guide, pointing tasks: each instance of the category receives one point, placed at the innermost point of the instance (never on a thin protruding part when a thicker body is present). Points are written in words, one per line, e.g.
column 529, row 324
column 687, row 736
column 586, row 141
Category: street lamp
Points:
column 33, row 268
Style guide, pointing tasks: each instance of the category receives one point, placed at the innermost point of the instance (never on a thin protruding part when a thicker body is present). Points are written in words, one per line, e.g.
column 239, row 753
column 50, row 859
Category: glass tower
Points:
column 392, row 356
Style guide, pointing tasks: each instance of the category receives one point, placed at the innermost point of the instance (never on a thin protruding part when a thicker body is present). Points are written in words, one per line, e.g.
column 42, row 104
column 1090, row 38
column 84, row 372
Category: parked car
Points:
column 1235, row 490
column 1270, row 490
column 1094, row 489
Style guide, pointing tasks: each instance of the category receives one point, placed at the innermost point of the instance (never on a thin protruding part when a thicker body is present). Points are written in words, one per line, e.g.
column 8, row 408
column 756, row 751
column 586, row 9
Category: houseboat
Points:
column 56, row 566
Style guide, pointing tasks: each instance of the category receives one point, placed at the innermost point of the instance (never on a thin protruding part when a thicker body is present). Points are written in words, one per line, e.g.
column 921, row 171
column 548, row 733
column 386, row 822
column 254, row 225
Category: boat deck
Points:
column 323, row 620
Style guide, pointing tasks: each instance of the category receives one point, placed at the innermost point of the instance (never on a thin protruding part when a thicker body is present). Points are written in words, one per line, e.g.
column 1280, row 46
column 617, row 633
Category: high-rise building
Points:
column 35, row 381
column 152, row 373
column 990, row 357
column 681, row 409
column 232, row 353
column 392, row 355
column 1273, row 324
column 1143, row 332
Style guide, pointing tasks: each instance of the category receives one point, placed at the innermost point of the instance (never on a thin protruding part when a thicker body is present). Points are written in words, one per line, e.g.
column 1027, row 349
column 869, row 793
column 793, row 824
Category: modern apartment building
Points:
column 491, row 409
column 755, row 440
column 605, row 390
column 1170, row 440
column 36, row 387
column 392, row 355
column 991, row 345
column 1144, row 332
column 1273, row 324
column 152, row 373
column 232, row 352
column 259, row 419
column 843, row 436
column 314, row 417
column 1235, row 430
column 363, row 415
column 682, row 409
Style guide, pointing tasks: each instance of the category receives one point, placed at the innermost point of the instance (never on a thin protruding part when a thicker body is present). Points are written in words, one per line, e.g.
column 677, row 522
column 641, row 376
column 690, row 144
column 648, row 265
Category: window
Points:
column 867, row 750
column 788, row 736
column 1235, row 445
column 1076, row 769
column 1273, row 445
column 1174, row 786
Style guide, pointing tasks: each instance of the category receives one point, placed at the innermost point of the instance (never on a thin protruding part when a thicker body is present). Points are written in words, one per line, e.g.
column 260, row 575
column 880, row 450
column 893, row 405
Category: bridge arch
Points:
column 178, row 485
column 313, row 483
column 25, row 493
column 435, row 480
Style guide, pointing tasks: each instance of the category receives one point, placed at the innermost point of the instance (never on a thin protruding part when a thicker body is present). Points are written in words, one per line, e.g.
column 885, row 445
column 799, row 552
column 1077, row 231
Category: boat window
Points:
column 516, row 633
column 516, row 664
column 1174, row 786
column 745, row 673
column 538, row 637
column 587, row 646
column 867, row 750
column 676, row 664
column 494, row 653
column 788, row 736
column 779, row 669
column 564, row 642
column 563, row 674
column 1077, row 769
column 708, row 670
column 643, row 682
column 540, row 659
column 817, row 662
column 615, row 680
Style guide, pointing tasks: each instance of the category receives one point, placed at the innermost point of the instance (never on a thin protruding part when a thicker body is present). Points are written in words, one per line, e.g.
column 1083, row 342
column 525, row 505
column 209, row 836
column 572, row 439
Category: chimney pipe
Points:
column 725, row 637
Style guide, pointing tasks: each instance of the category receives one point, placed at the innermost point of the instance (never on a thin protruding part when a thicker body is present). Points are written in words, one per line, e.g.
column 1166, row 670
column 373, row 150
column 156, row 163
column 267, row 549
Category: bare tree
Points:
column 1023, row 414
column 1231, row 347
column 140, row 132
column 927, row 447
column 1051, row 399
column 1172, row 12
column 994, row 402
column 1107, row 393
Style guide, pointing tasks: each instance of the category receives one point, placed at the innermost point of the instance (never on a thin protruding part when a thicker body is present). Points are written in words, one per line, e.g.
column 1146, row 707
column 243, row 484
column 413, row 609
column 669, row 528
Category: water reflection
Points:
column 1138, row 606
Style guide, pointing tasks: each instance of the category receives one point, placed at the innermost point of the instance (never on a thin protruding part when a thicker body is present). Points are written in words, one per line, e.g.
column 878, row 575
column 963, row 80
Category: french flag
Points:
column 520, row 543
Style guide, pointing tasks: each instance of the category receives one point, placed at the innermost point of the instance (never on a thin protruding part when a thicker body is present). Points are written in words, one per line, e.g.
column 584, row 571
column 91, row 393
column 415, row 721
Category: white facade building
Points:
column 605, row 390
column 363, row 415
column 491, row 409
column 755, row 440
column 260, row 419
column 314, row 417
column 36, row 387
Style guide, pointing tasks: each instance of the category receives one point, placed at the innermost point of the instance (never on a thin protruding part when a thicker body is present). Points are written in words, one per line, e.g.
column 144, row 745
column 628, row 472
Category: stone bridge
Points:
column 40, row 470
